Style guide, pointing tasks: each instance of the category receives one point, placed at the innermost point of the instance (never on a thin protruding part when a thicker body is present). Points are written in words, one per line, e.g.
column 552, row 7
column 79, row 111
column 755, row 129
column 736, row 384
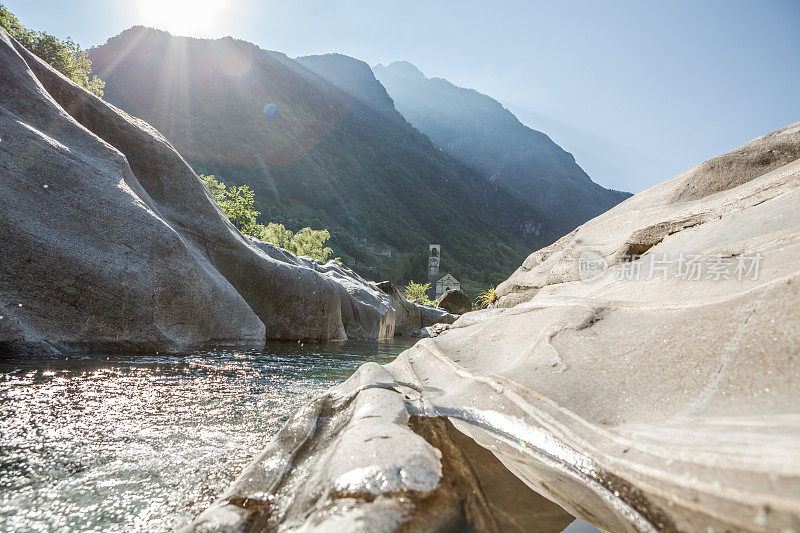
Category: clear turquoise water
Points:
column 146, row 442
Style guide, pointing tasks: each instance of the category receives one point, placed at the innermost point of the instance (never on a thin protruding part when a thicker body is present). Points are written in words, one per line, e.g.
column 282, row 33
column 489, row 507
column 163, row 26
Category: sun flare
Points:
column 196, row 18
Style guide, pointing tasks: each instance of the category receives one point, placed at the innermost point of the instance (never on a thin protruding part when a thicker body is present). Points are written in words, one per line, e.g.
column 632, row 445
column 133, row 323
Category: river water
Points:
column 146, row 442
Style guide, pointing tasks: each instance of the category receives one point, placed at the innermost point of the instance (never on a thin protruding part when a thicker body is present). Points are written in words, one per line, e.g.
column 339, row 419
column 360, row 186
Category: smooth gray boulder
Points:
column 433, row 315
column 367, row 311
column 109, row 239
column 432, row 331
column 660, row 401
column 644, row 220
column 412, row 318
column 407, row 314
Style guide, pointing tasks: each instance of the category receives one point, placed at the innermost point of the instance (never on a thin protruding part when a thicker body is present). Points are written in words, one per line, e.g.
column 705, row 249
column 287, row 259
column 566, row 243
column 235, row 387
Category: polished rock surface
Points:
column 617, row 379
column 110, row 240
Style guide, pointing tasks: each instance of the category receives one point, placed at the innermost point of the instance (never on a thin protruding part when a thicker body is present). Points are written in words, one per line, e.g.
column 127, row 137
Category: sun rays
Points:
column 196, row 18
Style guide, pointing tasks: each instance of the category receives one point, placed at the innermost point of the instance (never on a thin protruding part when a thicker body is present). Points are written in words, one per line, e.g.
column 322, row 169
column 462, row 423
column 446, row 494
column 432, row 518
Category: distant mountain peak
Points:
column 478, row 131
column 403, row 68
column 138, row 35
column 353, row 76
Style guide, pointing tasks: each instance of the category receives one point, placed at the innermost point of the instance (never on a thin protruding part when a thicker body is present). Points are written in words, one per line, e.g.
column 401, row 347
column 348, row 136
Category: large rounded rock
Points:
column 642, row 374
column 703, row 194
column 110, row 240
column 455, row 302
column 411, row 318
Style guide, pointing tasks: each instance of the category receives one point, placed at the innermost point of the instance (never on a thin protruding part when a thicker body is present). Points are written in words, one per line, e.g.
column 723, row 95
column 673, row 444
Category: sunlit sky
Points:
column 637, row 91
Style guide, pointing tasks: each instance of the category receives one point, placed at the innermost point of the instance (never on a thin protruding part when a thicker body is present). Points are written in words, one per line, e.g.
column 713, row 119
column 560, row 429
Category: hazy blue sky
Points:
column 638, row 91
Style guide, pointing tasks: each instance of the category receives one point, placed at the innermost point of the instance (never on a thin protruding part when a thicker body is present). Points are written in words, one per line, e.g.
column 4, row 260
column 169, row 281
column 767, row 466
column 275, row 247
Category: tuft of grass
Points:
column 486, row 299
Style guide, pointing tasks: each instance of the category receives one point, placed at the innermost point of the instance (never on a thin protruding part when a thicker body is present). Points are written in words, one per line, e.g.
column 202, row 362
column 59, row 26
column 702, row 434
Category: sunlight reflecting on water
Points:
column 146, row 442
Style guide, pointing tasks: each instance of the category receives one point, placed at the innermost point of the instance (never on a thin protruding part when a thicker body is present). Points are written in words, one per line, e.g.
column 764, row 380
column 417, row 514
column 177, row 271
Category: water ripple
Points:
column 145, row 442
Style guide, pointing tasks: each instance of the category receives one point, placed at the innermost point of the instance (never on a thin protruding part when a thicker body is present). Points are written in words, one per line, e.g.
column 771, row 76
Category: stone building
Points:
column 446, row 283
column 438, row 285
column 434, row 255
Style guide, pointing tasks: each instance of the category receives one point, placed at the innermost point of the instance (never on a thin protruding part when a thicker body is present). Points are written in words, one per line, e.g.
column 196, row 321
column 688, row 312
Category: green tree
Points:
column 412, row 266
column 217, row 188
column 276, row 234
column 237, row 204
column 418, row 293
column 65, row 56
column 311, row 243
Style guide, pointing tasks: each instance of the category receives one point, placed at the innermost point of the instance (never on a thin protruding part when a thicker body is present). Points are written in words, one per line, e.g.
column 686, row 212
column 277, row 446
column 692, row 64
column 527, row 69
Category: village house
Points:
column 446, row 283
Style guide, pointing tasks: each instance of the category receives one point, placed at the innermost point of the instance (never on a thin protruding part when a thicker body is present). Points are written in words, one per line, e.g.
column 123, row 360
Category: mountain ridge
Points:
column 324, row 159
column 483, row 134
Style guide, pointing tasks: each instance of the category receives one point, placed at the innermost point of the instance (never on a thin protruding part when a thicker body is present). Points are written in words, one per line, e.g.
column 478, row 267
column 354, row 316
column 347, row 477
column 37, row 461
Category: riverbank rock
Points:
column 412, row 318
column 366, row 311
column 455, row 301
column 431, row 331
column 111, row 241
column 686, row 201
column 433, row 315
column 642, row 375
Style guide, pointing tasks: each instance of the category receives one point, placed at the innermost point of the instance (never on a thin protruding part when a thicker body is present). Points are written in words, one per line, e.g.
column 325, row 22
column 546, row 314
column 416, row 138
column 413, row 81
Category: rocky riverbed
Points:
column 641, row 373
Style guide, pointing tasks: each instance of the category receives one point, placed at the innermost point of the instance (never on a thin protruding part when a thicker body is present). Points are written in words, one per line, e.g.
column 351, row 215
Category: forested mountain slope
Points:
column 317, row 155
column 478, row 131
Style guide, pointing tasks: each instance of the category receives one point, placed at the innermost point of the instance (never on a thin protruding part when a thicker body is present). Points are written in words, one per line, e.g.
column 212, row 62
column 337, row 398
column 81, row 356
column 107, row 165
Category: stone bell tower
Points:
column 434, row 255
